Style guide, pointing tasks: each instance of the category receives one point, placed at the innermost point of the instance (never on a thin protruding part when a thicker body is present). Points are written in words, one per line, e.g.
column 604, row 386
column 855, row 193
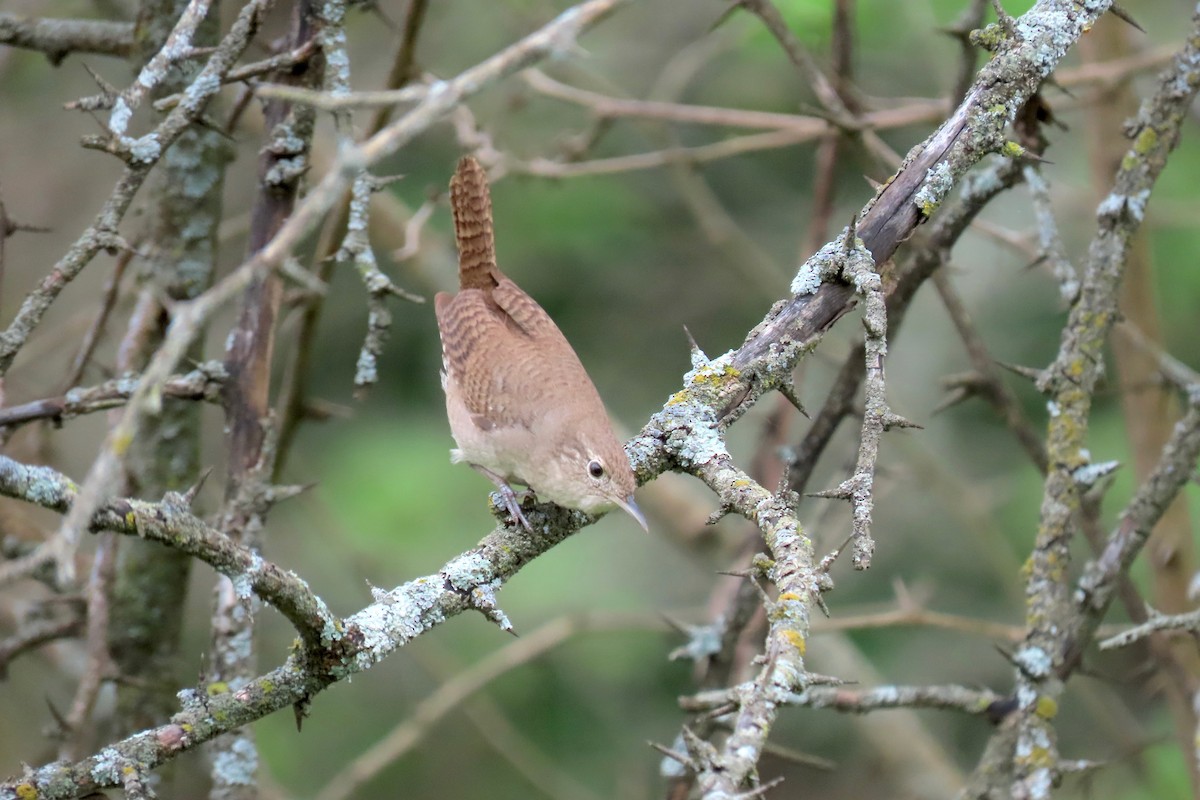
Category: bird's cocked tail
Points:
column 471, row 202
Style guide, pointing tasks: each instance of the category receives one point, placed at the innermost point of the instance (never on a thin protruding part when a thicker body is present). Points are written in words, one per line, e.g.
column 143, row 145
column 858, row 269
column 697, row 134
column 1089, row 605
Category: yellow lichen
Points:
column 1046, row 708
column 796, row 641
column 27, row 791
column 1012, row 150
column 786, row 596
column 677, row 398
column 121, row 443
column 1145, row 141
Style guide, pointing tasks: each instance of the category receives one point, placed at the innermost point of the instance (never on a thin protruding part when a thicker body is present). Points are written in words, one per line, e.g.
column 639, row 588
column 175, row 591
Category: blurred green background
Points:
column 623, row 265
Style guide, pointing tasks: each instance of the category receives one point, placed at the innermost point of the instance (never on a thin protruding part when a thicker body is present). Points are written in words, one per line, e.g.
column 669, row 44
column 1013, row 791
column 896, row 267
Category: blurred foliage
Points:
column 623, row 266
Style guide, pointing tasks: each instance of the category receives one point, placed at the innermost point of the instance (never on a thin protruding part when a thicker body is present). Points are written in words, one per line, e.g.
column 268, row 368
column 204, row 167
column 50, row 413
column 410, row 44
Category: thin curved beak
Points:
column 632, row 509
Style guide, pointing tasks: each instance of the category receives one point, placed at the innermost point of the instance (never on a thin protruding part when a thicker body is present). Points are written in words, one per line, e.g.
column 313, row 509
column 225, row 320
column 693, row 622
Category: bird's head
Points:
column 592, row 474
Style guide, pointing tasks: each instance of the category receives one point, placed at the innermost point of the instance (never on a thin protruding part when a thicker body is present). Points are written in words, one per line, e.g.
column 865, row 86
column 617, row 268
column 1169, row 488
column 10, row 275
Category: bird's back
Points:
column 505, row 357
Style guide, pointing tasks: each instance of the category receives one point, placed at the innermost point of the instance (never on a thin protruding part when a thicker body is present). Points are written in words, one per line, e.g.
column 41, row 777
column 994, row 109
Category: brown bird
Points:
column 522, row 408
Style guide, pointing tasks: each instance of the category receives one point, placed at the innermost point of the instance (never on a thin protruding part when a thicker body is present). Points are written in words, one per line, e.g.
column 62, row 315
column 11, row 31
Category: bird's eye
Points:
column 595, row 469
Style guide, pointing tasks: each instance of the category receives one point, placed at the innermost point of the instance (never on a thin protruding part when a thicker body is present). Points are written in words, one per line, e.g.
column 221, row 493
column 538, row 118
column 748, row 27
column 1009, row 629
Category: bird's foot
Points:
column 512, row 500
column 512, row 504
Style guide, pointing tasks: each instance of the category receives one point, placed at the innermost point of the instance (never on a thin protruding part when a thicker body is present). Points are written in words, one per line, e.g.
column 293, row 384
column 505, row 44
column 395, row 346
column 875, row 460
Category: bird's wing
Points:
column 478, row 357
column 524, row 312
column 506, row 356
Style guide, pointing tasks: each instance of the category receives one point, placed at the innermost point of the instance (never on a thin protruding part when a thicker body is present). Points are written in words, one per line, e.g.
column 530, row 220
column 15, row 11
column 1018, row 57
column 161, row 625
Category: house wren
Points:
column 522, row 408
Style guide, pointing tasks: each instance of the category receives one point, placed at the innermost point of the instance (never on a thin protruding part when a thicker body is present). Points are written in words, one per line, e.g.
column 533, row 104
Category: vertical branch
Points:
column 292, row 398
column 826, row 158
column 180, row 241
column 1150, row 409
column 282, row 163
column 1070, row 383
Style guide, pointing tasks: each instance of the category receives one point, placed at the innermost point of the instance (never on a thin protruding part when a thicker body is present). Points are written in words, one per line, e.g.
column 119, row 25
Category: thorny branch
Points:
column 1056, row 634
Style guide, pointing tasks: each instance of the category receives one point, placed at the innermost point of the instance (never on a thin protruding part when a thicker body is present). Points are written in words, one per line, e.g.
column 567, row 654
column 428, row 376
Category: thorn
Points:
column 843, row 491
column 1007, row 655
column 892, row 420
column 798, row 757
column 380, row 182
column 699, row 359
column 320, row 410
column 1032, row 374
column 291, row 269
column 300, row 709
column 1123, row 15
column 1041, row 259
column 718, row 515
column 788, row 390
column 673, row 755
column 959, row 394
column 189, row 496
column 1029, row 155
column 404, row 294
column 279, row 493
column 761, row 790
column 209, row 124
column 700, row 750
column 1003, row 18
column 851, row 231
column 716, row 713
column 106, row 87
column 818, row 679
column 724, row 17
column 827, row 562
column 59, row 720
column 820, row 599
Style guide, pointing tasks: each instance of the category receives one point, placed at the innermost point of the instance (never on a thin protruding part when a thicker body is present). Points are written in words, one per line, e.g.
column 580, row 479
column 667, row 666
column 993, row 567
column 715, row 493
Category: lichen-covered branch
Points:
column 58, row 38
column 356, row 248
column 1049, row 240
column 101, row 234
column 1070, row 383
column 855, row 265
column 202, row 383
column 1157, row 622
column 861, row 701
column 357, row 643
column 172, row 523
column 685, row 435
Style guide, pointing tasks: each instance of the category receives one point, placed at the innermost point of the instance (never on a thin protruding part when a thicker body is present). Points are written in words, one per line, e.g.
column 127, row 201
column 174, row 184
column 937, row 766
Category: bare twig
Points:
column 202, row 383
column 1156, row 622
